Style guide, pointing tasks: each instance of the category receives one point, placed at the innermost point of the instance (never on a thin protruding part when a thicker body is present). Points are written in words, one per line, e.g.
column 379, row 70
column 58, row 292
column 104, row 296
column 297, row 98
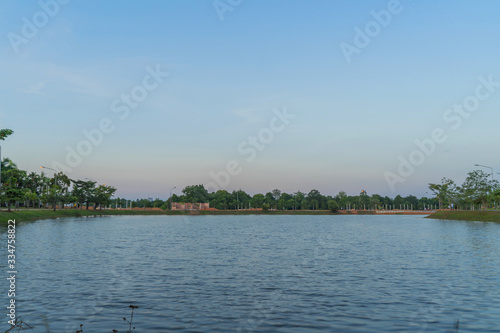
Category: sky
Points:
column 382, row 96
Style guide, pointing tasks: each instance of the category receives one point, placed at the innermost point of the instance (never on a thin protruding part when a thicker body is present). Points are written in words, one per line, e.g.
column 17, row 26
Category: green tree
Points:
column 12, row 188
column 314, row 198
column 333, row 205
column 364, row 200
column 276, row 194
column 102, row 195
column 220, row 199
column 34, row 183
column 61, row 182
column 398, row 202
column 341, row 199
column 477, row 187
column 8, row 164
column 84, row 192
column 4, row 133
column 30, row 197
column 240, row 199
column 158, row 203
column 195, row 194
column 258, row 200
column 444, row 192
column 375, row 201
column 495, row 196
column 286, row 201
column 270, row 200
column 299, row 199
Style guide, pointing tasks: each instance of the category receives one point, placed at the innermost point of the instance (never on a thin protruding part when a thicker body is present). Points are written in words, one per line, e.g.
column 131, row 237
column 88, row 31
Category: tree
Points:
column 34, row 183
column 412, row 201
column 158, row 203
column 299, row 199
column 276, row 194
column 477, row 187
column 495, row 196
column 398, row 202
column 258, row 200
column 195, row 194
column 8, row 164
column 30, row 197
column 240, row 199
column 364, row 200
column 388, row 202
column 285, row 202
column 61, row 184
column 5, row 133
column 13, row 191
column 341, row 199
column 376, row 200
column 83, row 191
column 314, row 199
column 444, row 192
column 333, row 205
column 102, row 195
column 270, row 200
column 220, row 199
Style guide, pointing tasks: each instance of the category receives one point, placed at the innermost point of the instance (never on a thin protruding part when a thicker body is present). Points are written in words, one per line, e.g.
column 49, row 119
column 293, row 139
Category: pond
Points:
column 257, row 274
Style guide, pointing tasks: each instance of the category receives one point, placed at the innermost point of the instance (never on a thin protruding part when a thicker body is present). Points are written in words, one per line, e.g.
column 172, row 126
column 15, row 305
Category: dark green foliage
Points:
column 5, row 133
column 333, row 205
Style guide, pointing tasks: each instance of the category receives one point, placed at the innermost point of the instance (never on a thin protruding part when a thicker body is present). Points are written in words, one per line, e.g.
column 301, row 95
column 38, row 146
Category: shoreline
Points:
column 467, row 215
column 30, row 215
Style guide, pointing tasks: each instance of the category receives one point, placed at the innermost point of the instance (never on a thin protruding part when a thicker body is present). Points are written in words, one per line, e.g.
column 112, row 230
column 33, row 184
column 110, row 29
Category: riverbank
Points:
column 467, row 215
column 27, row 215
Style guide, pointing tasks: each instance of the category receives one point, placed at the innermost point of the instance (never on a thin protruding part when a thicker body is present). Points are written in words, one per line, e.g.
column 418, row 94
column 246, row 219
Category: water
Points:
column 258, row 274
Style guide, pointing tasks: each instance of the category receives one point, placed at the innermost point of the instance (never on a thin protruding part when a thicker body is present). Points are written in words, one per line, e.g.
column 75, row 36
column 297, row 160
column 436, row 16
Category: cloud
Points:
column 36, row 89
column 250, row 115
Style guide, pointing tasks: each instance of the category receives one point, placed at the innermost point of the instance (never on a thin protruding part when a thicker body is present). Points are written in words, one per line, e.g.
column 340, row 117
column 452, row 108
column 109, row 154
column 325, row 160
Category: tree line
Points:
column 20, row 188
column 478, row 191
column 23, row 189
column 312, row 200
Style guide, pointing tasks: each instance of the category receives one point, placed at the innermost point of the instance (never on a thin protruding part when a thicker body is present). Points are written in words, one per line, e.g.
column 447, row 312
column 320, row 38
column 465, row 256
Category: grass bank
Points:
column 25, row 215
column 467, row 215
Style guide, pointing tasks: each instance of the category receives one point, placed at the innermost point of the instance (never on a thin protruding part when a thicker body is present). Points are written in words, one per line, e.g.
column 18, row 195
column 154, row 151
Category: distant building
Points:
column 190, row 206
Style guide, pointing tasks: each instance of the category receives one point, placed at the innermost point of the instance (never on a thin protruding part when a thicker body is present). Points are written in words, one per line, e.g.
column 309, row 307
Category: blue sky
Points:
column 227, row 78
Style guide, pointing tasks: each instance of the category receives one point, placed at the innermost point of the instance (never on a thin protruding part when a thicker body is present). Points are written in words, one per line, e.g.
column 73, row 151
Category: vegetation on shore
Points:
column 25, row 215
column 478, row 191
column 23, row 189
column 467, row 215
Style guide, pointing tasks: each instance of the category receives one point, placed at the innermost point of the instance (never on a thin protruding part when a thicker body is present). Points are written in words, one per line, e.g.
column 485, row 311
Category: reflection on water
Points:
column 259, row 274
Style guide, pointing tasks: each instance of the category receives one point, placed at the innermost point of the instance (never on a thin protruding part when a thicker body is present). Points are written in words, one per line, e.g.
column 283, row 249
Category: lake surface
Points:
column 258, row 274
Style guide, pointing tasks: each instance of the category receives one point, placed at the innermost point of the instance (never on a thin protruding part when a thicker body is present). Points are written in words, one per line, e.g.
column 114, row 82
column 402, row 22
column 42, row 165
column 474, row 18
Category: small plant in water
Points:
column 19, row 324
column 130, row 327
column 80, row 330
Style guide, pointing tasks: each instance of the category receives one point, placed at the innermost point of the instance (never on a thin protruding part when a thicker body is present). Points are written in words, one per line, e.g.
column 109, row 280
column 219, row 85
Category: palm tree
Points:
column 8, row 164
